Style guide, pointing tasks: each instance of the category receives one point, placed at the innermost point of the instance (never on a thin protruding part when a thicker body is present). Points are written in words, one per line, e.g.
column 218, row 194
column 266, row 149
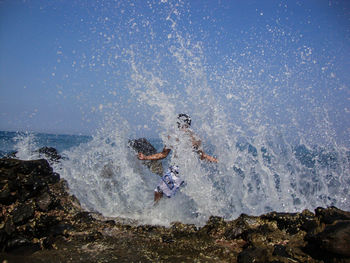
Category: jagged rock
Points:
column 21, row 244
column 335, row 239
column 37, row 212
column 50, row 153
column 44, row 201
column 144, row 146
column 293, row 222
column 9, row 226
column 280, row 250
column 25, row 195
column 22, row 213
column 5, row 195
column 258, row 255
column 331, row 214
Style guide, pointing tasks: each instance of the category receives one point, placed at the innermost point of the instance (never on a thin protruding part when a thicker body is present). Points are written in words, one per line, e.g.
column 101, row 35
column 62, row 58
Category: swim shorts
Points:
column 170, row 182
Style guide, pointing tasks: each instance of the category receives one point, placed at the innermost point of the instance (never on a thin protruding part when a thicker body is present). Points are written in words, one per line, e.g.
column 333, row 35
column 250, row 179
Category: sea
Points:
column 106, row 176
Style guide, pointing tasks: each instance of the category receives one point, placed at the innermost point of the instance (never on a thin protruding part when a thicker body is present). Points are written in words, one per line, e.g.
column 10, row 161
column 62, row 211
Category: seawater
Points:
column 105, row 175
column 26, row 143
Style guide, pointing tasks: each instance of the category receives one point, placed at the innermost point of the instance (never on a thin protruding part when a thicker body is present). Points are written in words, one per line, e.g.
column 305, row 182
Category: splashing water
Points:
column 26, row 146
column 275, row 140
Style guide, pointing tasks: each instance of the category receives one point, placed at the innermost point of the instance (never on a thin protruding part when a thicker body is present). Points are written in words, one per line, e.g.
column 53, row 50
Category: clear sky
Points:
column 64, row 63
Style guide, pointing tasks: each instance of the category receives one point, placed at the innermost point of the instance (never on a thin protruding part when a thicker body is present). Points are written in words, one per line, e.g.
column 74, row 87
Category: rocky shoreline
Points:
column 41, row 222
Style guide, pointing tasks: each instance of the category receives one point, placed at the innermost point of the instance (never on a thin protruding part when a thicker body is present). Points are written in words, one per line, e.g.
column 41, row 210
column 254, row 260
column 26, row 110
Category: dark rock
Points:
column 309, row 223
column 37, row 212
column 214, row 225
column 144, row 146
column 84, row 217
column 22, row 213
column 240, row 226
column 253, row 255
column 335, row 238
column 44, row 201
column 5, row 195
column 9, row 226
column 183, row 230
column 21, row 245
column 44, row 225
column 280, row 250
column 331, row 214
column 11, row 155
column 292, row 222
column 167, row 239
column 59, row 229
column 50, row 153
column 48, row 242
column 24, row 179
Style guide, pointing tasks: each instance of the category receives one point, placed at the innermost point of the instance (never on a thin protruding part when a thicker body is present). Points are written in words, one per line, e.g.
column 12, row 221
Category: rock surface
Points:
column 50, row 154
column 144, row 146
column 41, row 222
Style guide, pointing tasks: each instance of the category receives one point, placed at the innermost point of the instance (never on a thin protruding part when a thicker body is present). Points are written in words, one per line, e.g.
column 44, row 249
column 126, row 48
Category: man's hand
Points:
column 204, row 156
column 141, row 156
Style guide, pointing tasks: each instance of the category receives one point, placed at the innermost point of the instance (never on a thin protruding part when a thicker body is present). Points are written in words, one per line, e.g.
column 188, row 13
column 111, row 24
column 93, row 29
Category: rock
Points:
column 44, row 201
column 22, row 213
column 50, row 153
column 331, row 214
column 144, row 146
column 335, row 238
column 38, row 213
column 83, row 217
column 9, row 226
column 22, row 245
column 280, row 250
column 24, row 179
column 11, row 155
column 26, row 188
column 258, row 255
column 5, row 195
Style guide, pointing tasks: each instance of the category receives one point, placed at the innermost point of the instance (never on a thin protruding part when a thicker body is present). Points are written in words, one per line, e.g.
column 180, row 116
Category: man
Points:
column 171, row 180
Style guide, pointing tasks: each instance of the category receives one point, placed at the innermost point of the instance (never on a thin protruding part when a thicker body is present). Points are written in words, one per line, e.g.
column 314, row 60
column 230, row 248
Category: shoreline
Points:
column 42, row 222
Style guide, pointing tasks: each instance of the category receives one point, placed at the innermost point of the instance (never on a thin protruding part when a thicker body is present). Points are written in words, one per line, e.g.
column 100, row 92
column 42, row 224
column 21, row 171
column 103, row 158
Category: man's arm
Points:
column 156, row 156
column 204, row 156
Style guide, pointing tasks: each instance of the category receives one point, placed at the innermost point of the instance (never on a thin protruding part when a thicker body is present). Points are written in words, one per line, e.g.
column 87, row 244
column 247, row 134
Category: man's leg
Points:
column 157, row 196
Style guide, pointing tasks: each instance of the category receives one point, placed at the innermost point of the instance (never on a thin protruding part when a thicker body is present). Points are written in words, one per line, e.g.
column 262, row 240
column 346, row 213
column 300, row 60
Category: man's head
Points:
column 183, row 120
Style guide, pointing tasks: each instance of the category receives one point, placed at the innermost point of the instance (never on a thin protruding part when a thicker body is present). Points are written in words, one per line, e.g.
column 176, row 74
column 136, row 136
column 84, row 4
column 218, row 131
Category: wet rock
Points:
column 253, row 255
column 37, row 212
column 214, row 226
column 44, row 201
column 22, row 245
column 11, row 155
column 144, row 146
column 44, row 225
column 5, row 195
column 280, row 250
column 9, row 226
column 331, row 214
column 50, row 153
column 293, row 222
column 26, row 197
column 59, row 229
column 334, row 239
column 22, row 213
column 83, row 217
column 240, row 226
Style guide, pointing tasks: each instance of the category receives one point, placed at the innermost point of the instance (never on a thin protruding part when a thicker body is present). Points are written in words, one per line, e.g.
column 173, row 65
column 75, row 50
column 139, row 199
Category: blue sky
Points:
column 64, row 64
